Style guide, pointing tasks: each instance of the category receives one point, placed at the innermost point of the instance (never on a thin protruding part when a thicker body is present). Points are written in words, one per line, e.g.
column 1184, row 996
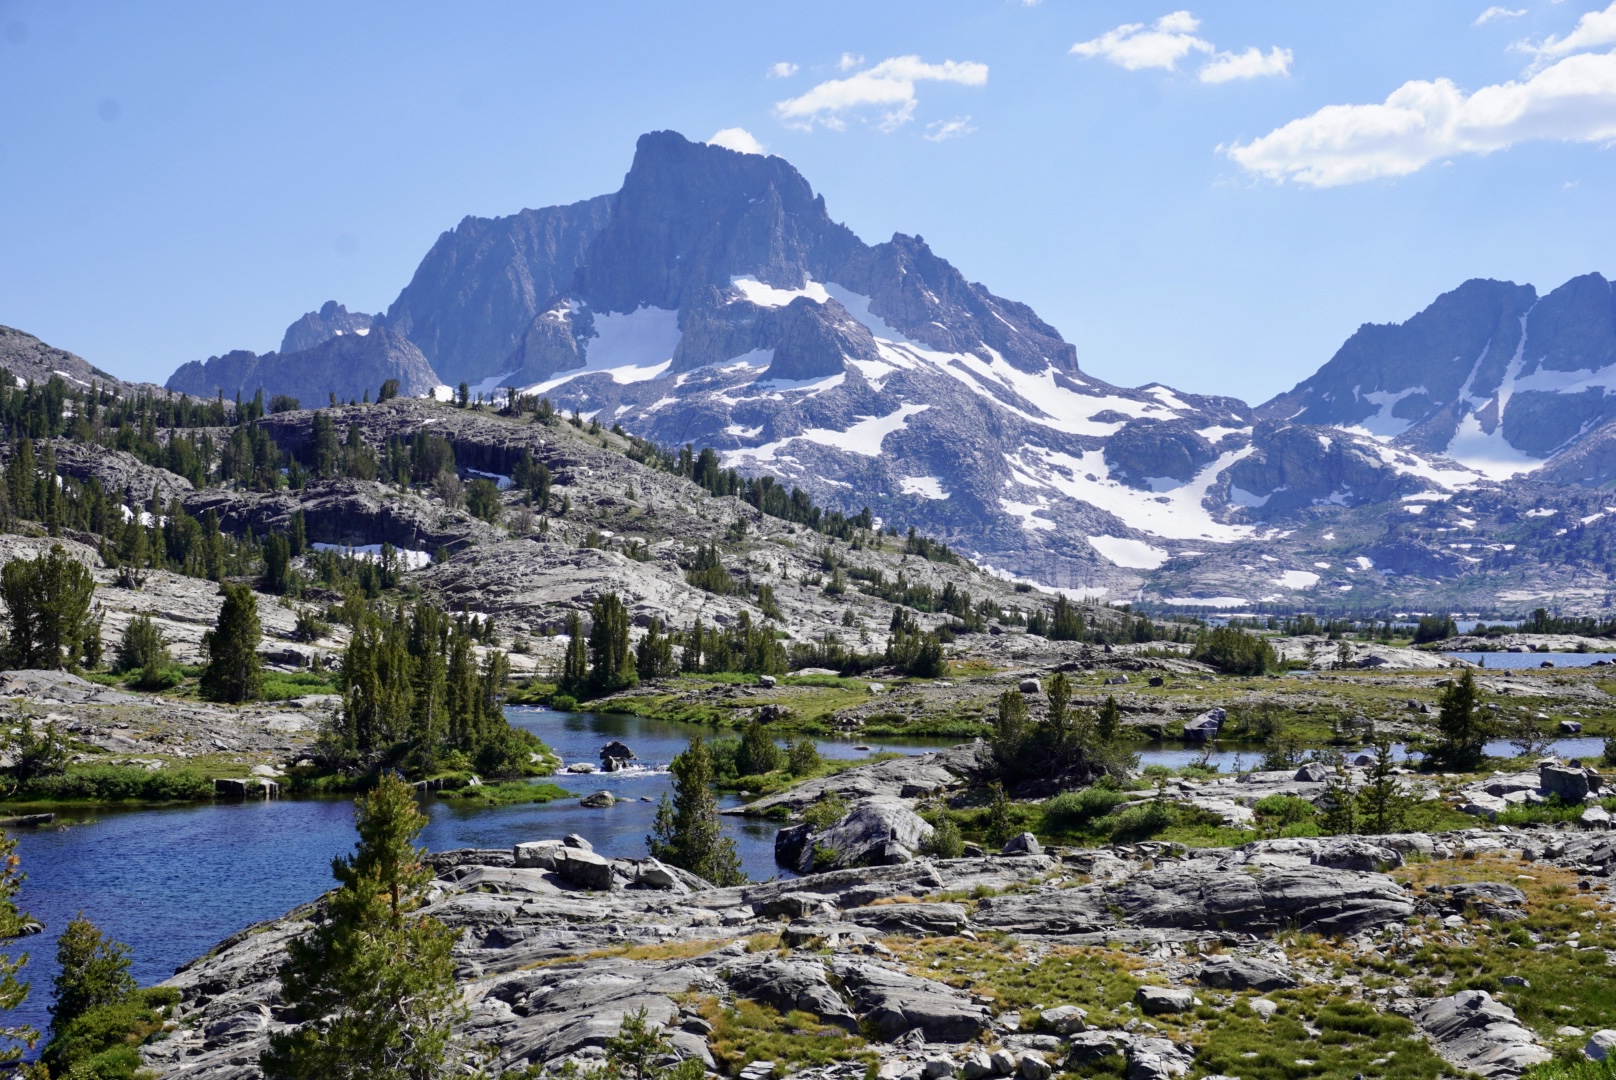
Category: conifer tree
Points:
column 48, row 602
column 575, row 663
column 373, row 982
column 429, row 716
column 1460, row 725
column 654, row 654
column 92, row 971
column 234, row 673
column 611, row 664
column 13, row 924
column 1383, row 805
column 687, row 832
column 758, row 753
column 465, row 698
column 1108, row 722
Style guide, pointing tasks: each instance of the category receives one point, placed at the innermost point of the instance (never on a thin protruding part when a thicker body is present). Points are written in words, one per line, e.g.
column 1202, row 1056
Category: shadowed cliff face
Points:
column 473, row 296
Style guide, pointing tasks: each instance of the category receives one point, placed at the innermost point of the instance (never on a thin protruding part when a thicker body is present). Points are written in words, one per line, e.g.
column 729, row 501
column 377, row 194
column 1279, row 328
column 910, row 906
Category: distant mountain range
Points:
column 712, row 300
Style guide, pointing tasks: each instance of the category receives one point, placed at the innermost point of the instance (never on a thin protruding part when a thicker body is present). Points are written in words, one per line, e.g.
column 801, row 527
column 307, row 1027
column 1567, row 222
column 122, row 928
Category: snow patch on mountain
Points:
column 1176, row 514
column 1133, row 554
column 864, row 437
column 765, row 295
column 927, row 487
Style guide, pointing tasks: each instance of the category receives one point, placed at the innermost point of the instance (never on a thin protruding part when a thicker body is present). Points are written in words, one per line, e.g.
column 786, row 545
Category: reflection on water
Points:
column 173, row 882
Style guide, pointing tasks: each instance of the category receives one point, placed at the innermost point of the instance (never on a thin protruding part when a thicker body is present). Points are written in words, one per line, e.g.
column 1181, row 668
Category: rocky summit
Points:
column 714, row 300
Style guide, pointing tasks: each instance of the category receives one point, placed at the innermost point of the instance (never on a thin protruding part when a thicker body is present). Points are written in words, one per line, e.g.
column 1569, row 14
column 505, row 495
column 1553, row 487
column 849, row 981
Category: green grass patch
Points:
column 284, row 686
column 507, row 793
column 749, row 1031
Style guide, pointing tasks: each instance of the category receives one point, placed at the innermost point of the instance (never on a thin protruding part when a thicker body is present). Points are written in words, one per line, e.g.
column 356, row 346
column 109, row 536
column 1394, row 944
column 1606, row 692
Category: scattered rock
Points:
column 600, row 800
column 1241, row 973
column 1025, row 844
column 1473, row 1031
column 583, row 868
column 1156, row 1000
column 1063, row 1019
column 1600, row 1044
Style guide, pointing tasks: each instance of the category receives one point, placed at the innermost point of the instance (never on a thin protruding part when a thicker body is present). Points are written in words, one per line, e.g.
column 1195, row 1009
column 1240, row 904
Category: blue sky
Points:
column 1211, row 197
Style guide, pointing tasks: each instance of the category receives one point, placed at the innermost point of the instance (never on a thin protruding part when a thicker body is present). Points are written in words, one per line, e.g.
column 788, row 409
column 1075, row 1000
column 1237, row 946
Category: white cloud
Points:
column 783, row 70
column 1496, row 12
column 1421, row 122
column 888, row 86
column 1171, row 38
column 848, row 62
column 738, row 139
column 1594, row 29
column 1135, row 46
column 1251, row 64
column 943, row 130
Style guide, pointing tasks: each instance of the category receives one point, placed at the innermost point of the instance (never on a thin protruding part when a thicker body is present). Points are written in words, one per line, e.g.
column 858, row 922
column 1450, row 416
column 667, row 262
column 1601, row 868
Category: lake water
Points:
column 172, row 882
column 1516, row 661
column 1233, row 760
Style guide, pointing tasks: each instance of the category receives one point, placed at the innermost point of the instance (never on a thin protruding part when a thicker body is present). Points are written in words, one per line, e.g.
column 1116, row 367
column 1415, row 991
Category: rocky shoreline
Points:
column 557, row 945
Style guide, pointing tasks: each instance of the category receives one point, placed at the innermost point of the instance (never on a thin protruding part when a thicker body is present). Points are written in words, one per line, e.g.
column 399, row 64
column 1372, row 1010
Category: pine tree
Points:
column 465, row 704
column 1383, row 805
column 50, row 492
column 234, row 673
column 654, row 654
column 93, row 970
column 374, row 980
column 48, row 601
column 430, row 713
column 758, row 753
column 611, row 665
column 575, row 664
column 1108, row 723
column 687, row 832
column 13, row 924
column 20, row 472
column 1459, row 723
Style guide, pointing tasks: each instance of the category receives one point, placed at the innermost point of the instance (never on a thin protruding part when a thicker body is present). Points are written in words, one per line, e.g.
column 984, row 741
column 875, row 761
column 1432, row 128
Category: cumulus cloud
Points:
column 1251, row 64
column 1171, row 38
column 738, row 139
column 1496, row 12
column 848, row 62
column 1594, row 29
column 783, row 70
column 1421, row 122
column 888, row 88
column 1136, row 46
column 943, row 130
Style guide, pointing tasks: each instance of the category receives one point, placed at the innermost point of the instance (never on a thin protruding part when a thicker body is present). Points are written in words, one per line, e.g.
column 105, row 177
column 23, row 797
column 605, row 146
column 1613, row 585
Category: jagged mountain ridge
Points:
column 349, row 364
column 713, row 300
column 1490, row 374
column 721, row 304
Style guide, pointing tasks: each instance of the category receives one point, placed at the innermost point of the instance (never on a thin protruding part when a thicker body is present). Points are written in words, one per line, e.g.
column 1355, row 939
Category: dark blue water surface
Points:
column 172, row 882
